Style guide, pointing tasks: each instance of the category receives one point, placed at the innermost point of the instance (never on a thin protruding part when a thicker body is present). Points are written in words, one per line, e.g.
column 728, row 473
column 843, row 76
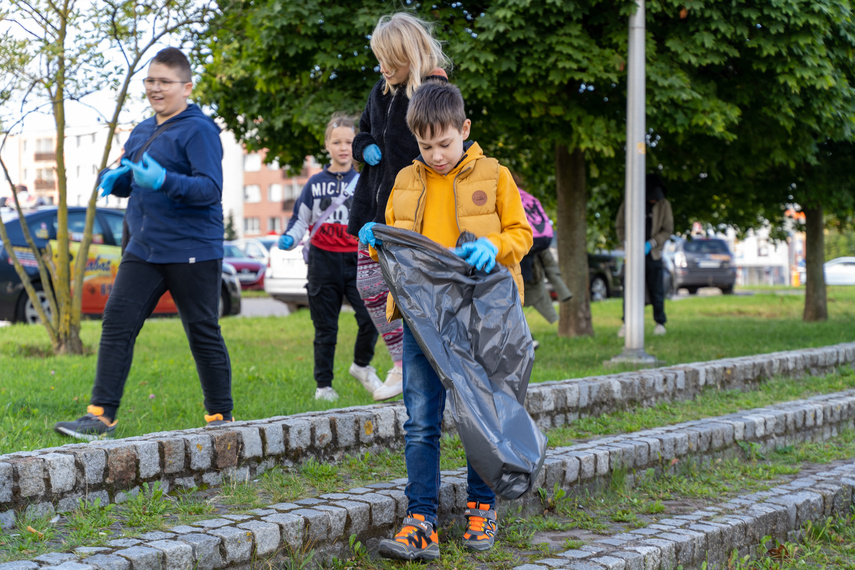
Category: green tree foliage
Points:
column 737, row 94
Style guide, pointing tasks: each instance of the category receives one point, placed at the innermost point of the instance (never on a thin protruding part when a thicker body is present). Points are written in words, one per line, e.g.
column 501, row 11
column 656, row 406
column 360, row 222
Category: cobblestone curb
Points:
column 55, row 479
column 325, row 523
column 711, row 534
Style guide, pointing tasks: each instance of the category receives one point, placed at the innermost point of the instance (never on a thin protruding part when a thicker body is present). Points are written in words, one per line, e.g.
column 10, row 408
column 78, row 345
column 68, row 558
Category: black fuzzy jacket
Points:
column 384, row 123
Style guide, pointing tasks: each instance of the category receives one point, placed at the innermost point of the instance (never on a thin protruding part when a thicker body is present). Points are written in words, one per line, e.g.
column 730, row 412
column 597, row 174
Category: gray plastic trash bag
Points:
column 471, row 327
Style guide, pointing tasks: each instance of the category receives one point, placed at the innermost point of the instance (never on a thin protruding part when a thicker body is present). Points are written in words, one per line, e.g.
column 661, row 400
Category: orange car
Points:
column 101, row 267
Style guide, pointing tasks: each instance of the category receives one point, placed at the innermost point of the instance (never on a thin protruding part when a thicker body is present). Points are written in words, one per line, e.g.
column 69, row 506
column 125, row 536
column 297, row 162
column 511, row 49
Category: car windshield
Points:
column 705, row 246
column 231, row 250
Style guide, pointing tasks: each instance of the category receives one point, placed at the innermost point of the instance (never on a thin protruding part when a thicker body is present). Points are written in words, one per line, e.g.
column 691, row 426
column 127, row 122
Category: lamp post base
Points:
column 634, row 357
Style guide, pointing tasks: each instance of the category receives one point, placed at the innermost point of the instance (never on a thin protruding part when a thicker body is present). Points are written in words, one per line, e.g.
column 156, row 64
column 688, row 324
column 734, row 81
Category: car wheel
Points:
column 292, row 307
column 727, row 290
column 26, row 310
column 223, row 303
column 599, row 288
column 692, row 290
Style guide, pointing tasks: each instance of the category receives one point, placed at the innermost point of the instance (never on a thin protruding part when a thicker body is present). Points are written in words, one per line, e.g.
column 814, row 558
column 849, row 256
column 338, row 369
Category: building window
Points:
column 78, row 171
column 94, row 169
column 274, row 193
column 252, row 162
column 79, row 140
column 44, row 174
column 252, row 193
column 251, row 225
column 274, row 225
column 296, row 189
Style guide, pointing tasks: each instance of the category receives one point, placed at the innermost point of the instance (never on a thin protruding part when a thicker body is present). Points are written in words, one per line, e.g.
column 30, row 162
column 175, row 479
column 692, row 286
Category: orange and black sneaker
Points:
column 480, row 526
column 416, row 540
column 94, row 425
column 217, row 420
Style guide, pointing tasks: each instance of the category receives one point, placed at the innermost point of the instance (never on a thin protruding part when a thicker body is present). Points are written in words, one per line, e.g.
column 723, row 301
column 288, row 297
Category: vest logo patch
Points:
column 479, row 197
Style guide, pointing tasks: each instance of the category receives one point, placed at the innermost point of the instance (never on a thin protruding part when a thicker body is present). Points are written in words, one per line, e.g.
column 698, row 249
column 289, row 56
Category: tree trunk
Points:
column 575, row 314
column 816, row 299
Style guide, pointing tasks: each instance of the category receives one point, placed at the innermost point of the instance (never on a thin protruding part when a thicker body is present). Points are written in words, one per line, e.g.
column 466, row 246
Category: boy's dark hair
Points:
column 175, row 59
column 434, row 107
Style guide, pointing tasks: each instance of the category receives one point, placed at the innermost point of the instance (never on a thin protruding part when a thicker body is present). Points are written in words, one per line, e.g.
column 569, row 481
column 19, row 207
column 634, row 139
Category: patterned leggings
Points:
column 373, row 290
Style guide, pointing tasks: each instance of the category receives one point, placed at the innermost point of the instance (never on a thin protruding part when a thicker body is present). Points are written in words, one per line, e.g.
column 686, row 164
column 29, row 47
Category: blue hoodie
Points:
column 182, row 222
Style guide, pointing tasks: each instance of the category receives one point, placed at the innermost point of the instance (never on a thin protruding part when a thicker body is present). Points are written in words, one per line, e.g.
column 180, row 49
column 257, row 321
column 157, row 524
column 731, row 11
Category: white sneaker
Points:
column 659, row 330
column 367, row 375
column 621, row 332
column 393, row 385
column 327, row 394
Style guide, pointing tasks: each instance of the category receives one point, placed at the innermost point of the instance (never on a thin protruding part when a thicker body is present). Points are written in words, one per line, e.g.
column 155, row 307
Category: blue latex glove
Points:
column 147, row 172
column 481, row 253
column 285, row 242
column 372, row 154
column 648, row 245
column 366, row 235
column 109, row 179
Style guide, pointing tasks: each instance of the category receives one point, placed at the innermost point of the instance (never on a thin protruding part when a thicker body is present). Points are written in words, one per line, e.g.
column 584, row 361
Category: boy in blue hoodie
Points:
column 172, row 172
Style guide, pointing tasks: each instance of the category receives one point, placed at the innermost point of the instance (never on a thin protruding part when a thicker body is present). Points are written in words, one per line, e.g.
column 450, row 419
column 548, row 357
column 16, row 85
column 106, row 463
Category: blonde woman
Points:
column 408, row 55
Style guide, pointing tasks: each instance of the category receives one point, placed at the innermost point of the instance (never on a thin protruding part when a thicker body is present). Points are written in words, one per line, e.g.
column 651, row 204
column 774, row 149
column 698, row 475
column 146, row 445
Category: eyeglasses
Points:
column 159, row 83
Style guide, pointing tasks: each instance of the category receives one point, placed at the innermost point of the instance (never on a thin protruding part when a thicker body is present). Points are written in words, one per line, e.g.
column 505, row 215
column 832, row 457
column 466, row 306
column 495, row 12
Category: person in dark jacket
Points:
column 658, row 227
column 172, row 172
column 538, row 265
column 322, row 209
column 408, row 55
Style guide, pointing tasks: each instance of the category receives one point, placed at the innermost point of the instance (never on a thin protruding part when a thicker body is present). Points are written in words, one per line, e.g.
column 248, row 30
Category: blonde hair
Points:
column 339, row 120
column 403, row 39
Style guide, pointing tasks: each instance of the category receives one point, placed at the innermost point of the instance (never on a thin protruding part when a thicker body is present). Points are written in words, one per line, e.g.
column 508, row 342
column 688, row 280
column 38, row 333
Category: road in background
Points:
column 262, row 307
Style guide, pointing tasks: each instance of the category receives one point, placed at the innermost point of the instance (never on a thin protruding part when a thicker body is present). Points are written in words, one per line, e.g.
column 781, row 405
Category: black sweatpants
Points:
column 332, row 278
column 195, row 288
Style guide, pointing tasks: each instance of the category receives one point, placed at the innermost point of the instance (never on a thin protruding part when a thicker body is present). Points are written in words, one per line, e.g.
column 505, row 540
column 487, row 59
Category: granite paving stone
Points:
column 235, row 542
column 108, row 562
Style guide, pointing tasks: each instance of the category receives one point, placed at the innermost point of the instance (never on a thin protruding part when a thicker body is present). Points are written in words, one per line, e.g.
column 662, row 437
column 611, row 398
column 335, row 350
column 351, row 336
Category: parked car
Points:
column 257, row 247
column 701, row 262
column 605, row 269
column 102, row 264
column 250, row 271
column 286, row 276
column 606, row 274
column 838, row 271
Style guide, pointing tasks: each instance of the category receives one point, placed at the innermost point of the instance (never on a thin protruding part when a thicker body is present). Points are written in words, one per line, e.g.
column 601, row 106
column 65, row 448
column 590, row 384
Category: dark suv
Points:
column 701, row 262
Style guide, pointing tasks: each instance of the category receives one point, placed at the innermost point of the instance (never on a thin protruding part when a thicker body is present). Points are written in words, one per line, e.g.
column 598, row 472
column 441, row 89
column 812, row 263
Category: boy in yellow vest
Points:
column 450, row 188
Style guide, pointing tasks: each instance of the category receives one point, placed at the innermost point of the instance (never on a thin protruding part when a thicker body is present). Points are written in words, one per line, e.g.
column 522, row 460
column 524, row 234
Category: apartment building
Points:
column 258, row 198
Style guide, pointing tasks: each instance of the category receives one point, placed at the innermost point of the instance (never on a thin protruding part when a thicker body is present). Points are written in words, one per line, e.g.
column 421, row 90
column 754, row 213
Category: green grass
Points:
column 619, row 506
column 272, row 361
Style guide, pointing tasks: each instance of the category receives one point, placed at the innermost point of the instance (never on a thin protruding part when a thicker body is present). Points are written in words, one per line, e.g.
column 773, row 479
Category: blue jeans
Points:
column 424, row 397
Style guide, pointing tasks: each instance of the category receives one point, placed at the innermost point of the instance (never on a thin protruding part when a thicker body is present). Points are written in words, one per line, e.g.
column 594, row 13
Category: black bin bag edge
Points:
column 438, row 295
